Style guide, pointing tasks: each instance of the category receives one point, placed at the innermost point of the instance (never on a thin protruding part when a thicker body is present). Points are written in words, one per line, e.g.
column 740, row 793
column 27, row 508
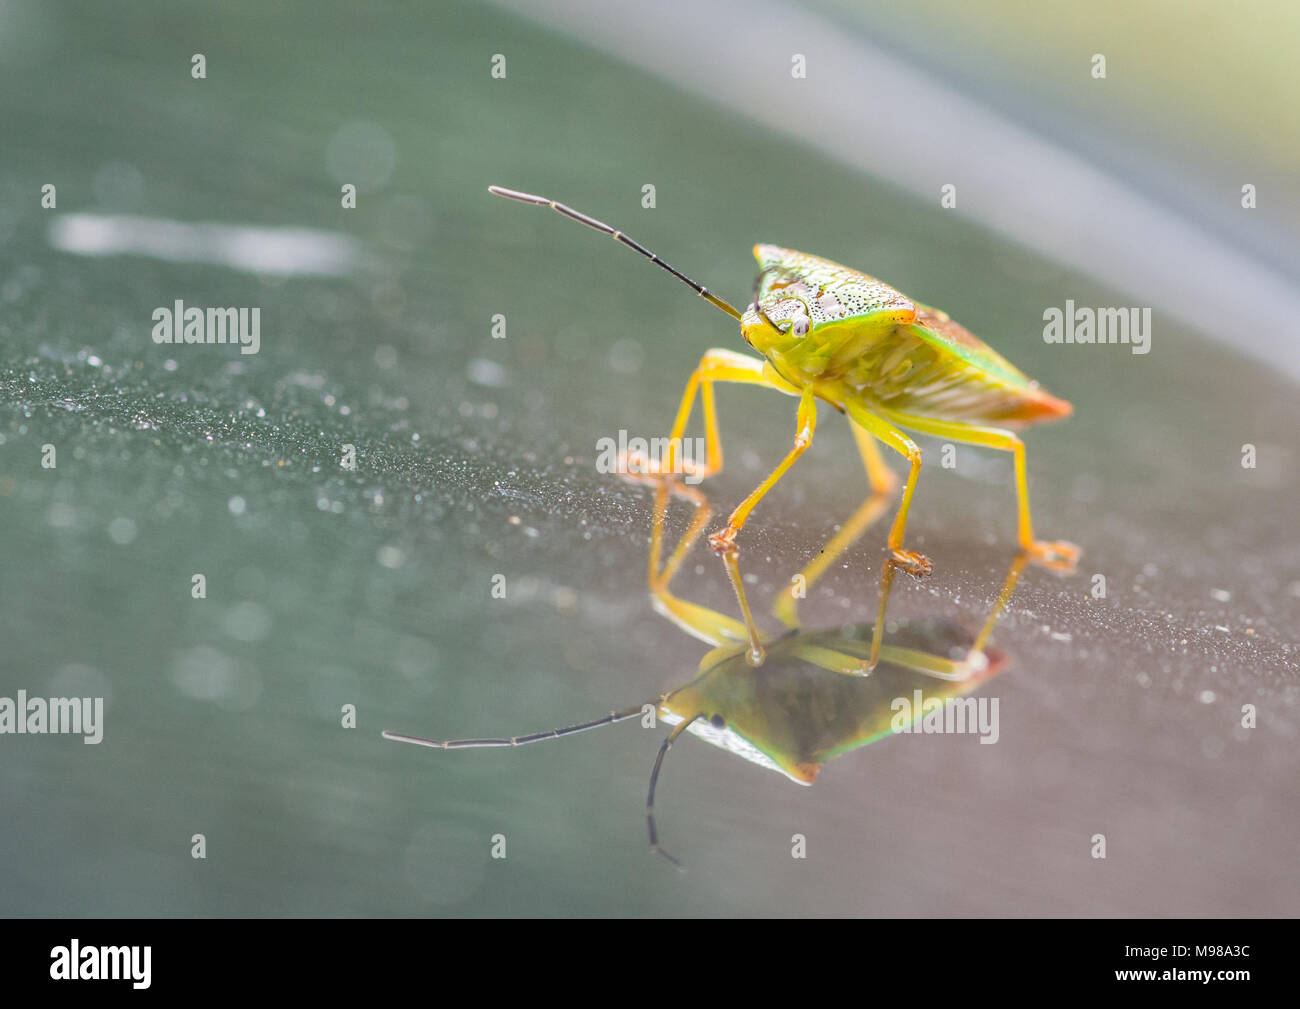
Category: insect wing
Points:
column 937, row 329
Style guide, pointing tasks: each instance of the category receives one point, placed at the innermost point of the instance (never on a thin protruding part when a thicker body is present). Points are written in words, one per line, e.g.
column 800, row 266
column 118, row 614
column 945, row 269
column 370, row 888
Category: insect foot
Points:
column 915, row 564
column 724, row 541
column 638, row 467
column 1057, row 555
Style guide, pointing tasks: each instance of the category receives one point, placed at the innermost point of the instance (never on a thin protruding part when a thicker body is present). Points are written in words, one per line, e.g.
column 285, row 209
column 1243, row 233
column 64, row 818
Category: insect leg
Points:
column 849, row 659
column 913, row 562
column 937, row 665
column 850, row 662
column 724, row 541
column 828, row 659
column 805, row 424
column 731, row 561
column 708, row 625
column 881, row 477
column 1057, row 555
column 883, row 482
column 784, row 609
column 717, row 365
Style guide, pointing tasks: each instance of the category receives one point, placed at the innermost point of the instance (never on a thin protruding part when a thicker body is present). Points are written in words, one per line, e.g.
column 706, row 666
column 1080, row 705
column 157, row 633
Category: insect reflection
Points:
column 792, row 700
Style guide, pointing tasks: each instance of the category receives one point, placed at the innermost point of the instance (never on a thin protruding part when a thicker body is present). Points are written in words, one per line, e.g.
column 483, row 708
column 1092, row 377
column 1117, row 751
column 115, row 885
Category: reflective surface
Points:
column 476, row 457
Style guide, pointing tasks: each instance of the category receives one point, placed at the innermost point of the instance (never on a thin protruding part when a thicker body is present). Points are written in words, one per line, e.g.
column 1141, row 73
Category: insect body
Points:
column 832, row 333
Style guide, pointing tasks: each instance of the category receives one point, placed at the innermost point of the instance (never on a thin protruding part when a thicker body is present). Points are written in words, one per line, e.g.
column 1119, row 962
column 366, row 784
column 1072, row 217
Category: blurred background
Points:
column 476, row 457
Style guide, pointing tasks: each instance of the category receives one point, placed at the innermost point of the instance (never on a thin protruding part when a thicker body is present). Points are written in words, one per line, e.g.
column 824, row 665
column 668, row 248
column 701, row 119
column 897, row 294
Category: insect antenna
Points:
column 664, row 747
column 536, row 737
column 635, row 246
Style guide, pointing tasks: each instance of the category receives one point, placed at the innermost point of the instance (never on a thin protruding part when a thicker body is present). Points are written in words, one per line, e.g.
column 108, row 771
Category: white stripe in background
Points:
column 893, row 120
column 282, row 252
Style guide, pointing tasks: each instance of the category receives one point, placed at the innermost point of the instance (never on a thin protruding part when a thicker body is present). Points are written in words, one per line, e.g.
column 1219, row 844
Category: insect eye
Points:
column 800, row 326
column 717, row 721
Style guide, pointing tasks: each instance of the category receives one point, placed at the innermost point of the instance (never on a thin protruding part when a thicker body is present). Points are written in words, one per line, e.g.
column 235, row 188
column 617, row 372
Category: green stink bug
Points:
column 833, row 333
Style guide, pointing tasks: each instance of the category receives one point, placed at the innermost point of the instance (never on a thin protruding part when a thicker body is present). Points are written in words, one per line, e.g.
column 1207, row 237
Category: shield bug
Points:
column 832, row 333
